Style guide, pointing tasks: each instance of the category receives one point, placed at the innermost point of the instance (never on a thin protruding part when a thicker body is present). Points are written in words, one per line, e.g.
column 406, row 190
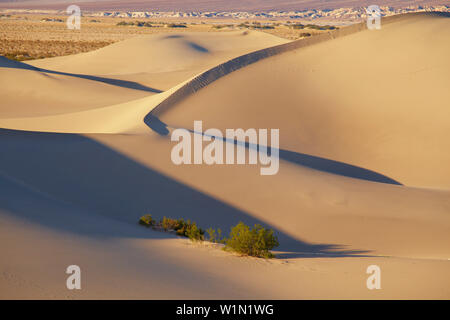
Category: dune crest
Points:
column 358, row 85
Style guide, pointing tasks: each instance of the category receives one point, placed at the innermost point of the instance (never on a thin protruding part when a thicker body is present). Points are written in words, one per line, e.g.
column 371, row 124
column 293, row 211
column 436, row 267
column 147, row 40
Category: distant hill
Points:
column 210, row 5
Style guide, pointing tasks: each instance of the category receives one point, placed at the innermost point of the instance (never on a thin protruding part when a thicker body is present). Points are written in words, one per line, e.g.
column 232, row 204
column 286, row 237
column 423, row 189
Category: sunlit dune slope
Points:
column 125, row 71
column 374, row 99
column 163, row 60
column 27, row 92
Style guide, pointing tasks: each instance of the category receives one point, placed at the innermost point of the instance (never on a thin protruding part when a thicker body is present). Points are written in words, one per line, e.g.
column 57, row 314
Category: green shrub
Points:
column 169, row 224
column 215, row 236
column 297, row 26
column 176, row 25
column 123, row 23
column 194, row 233
column 255, row 242
column 219, row 236
column 182, row 228
column 252, row 242
column 263, row 27
column 220, row 26
column 316, row 27
column 212, row 236
column 135, row 23
column 147, row 220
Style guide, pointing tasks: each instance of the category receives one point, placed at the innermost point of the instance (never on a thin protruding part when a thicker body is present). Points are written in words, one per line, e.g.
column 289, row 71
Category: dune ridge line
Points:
column 221, row 70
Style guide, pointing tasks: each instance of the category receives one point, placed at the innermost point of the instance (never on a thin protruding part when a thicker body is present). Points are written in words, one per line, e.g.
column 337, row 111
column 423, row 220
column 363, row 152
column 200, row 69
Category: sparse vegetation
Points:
column 22, row 50
column 180, row 227
column 28, row 38
column 18, row 55
column 221, row 26
column 147, row 221
column 52, row 20
column 215, row 236
column 183, row 228
column 316, row 27
column 256, row 242
column 256, row 25
column 297, row 26
column 176, row 25
column 263, row 27
column 135, row 23
column 311, row 26
column 152, row 24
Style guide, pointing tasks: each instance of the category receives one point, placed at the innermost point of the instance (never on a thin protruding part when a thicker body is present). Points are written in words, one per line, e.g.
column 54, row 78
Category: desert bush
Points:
column 316, row 27
column 169, row 224
column 135, row 23
column 297, row 26
column 255, row 242
column 263, row 27
column 21, row 50
column 189, row 230
column 182, row 228
column 305, row 34
column 215, row 236
column 243, row 25
column 147, row 220
column 194, row 233
column 51, row 20
column 176, row 25
column 221, row 26
column 212, row 235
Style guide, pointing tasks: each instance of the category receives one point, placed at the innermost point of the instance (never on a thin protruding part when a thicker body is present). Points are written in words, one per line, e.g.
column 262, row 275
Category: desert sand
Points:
column 364, row 176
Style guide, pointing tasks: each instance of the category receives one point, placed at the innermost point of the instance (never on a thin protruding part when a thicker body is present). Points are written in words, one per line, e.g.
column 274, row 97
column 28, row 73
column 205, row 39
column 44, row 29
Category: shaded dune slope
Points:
column 124, row 176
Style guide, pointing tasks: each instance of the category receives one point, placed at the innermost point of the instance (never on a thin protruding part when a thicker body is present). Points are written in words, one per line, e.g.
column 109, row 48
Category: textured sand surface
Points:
column 364, row 176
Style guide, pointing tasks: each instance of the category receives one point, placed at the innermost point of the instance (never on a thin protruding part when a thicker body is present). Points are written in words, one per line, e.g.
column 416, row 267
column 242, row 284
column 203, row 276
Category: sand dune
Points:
column 162, row 60
column 122, row 72
column 363, row 177
column 388, row 86
column 122, row 118
column 329, row 228
column 27, row 91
